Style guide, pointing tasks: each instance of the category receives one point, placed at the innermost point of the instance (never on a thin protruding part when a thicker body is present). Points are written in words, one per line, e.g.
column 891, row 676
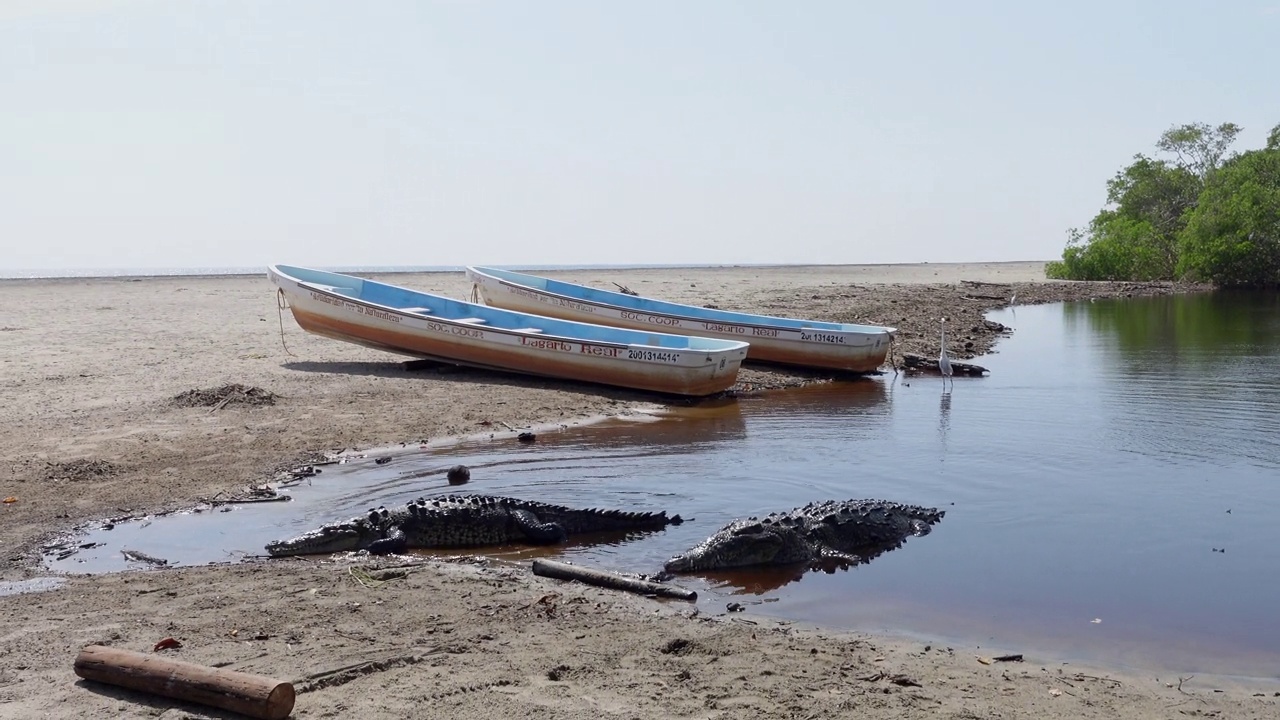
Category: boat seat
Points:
column 417, row 310
column 527, row 330
column 346, row 291
column 333, row 289
column 472, row 321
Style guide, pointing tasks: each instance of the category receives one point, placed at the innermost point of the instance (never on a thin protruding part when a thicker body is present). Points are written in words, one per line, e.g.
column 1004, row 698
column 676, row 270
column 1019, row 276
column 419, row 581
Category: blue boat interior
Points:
column 649, row 305
column 412, row 302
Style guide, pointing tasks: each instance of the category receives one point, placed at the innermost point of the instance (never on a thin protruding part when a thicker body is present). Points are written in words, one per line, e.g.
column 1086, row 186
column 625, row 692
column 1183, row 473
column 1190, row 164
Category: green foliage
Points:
column 1151, row 199
column 1056, row 270
column 1200, row 215
column 1233, row 236
column 1137, row 237
column 1198, row 147
column 1116, row 247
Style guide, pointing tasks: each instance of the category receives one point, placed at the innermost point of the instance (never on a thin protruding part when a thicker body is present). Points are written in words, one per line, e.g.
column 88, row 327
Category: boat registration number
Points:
column 653, row 356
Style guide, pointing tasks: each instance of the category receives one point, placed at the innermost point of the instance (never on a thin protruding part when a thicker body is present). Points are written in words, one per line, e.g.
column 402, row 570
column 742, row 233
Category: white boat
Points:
column 808, row 343
column 423, row 325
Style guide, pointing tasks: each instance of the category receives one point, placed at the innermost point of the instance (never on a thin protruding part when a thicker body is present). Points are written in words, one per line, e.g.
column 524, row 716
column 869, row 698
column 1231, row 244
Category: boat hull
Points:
column 673, row 371
column 817, row 347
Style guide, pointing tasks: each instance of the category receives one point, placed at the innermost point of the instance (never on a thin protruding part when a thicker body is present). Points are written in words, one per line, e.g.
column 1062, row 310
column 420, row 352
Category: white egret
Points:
column 944, row 362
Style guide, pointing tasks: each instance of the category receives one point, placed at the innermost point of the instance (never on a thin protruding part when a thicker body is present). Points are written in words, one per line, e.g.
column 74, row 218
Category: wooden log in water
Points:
column 920, row 363
column 600, row 578
column 254, row 695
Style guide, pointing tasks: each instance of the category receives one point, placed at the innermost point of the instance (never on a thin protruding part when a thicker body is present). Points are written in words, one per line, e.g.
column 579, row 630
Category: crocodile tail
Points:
column 574, row 520
column 598, row 520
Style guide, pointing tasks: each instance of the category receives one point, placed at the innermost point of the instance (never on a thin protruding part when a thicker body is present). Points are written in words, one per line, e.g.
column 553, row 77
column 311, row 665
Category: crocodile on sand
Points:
column 832, row 532
column 464, row 521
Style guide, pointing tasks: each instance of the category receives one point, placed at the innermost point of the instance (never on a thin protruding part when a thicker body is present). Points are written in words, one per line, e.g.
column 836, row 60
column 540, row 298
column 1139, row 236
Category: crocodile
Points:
column 834, row 532
column 455, row 521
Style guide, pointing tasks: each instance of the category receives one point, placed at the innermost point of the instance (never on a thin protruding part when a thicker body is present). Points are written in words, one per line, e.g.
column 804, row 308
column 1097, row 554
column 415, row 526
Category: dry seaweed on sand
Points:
column 80, row 470
column 225, row 395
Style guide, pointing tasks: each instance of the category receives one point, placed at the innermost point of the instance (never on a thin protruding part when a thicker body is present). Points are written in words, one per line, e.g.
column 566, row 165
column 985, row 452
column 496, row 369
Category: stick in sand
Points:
column 599, row 578
column 254, row 695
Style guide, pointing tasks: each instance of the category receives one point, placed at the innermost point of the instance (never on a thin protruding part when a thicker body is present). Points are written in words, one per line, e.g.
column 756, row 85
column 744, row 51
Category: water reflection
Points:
column 1185, row 364
column 766, row 579
column 688, row 429
column 944, row 416
column 1090, row 479
column 1206, row 329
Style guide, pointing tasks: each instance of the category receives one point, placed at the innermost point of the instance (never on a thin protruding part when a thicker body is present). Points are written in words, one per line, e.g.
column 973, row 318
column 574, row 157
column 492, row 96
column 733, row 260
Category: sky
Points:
column 171, row 133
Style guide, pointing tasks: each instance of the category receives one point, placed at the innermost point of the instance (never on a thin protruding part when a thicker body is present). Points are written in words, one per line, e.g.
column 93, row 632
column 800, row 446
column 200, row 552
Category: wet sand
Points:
column 90, row 372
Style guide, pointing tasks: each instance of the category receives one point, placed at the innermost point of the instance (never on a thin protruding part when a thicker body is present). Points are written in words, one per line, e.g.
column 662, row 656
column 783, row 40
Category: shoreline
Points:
column 94, row 429
column 1046, row 649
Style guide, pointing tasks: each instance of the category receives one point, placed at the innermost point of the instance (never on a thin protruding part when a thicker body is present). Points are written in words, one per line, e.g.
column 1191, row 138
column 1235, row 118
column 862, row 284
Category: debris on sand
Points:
column 304, row 463
column 77, row 470
column 142, row 557
column 921, row 364
column 225, row 395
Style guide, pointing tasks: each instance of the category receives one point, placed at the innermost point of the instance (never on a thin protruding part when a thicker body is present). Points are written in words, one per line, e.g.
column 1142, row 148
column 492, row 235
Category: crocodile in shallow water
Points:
column 464, row 521
column 836, row 532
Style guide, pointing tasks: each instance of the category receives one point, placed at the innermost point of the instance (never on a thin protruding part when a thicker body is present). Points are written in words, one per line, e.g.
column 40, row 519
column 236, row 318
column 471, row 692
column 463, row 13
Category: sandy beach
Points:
column 93, row 373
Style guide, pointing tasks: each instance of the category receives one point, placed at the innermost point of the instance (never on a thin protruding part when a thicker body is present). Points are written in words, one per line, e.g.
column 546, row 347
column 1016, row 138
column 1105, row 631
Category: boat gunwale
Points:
column 885, row 330
column 734, row 345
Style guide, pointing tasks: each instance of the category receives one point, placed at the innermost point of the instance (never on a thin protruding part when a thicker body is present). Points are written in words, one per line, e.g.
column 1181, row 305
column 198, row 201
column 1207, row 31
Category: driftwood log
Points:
column 922, row 364
column 253, row 695
column 600, row 578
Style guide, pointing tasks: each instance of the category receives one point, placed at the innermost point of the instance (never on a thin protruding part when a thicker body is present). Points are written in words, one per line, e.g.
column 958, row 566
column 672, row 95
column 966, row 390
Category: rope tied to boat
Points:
column 282, row 304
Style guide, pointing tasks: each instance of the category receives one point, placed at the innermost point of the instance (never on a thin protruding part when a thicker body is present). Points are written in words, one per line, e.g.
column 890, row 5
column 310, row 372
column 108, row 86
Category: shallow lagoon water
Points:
column 1087, row 483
